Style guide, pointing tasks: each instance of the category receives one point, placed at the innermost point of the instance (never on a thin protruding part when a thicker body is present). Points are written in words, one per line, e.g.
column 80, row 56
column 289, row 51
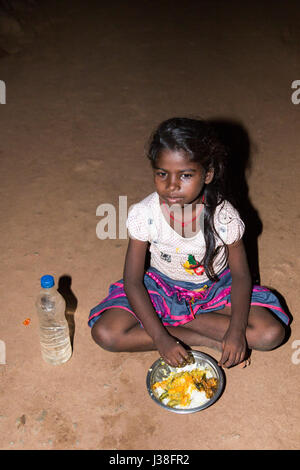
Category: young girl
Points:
column 197, row 290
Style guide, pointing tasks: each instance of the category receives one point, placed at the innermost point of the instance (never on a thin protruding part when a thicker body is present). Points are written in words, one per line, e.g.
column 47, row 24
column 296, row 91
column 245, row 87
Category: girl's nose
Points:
column 172, row 183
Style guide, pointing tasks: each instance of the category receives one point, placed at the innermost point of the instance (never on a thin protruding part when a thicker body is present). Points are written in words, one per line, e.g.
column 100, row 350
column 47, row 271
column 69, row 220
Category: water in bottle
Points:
column 54, row 331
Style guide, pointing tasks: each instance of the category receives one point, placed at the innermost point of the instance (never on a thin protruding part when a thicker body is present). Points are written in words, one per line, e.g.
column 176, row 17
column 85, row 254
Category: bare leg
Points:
column 264, row 332
column 118, row 330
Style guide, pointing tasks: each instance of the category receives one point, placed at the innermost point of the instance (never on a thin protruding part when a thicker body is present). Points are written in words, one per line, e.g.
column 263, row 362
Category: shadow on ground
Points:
column 64, row 288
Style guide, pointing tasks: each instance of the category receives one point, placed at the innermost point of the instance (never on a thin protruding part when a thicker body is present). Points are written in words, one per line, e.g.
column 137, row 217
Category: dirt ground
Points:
column 82, row 97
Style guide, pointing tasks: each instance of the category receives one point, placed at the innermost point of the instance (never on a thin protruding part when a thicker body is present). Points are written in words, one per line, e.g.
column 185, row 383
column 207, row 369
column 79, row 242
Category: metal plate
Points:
column 160, row 371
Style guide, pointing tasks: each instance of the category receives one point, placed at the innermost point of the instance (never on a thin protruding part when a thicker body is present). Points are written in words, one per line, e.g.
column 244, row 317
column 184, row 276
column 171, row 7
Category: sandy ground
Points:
column 82, row 98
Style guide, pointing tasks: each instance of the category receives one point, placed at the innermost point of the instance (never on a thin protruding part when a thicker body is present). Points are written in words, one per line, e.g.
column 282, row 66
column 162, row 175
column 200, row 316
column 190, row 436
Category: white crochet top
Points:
column 173, row 255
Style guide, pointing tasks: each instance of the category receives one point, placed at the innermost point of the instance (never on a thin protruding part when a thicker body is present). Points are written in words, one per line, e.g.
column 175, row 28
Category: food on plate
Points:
column 189, row 388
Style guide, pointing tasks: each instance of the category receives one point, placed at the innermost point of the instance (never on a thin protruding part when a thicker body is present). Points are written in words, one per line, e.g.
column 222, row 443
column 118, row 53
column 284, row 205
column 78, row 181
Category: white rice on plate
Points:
column 197, row 397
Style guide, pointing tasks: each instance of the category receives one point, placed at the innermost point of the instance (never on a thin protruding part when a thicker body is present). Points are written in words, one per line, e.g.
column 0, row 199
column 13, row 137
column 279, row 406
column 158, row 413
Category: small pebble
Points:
column 21, row 421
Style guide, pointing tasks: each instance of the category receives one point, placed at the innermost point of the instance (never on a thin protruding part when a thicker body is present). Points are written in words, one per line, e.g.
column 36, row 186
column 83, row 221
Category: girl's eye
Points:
column 186, row 176
column 161, row 174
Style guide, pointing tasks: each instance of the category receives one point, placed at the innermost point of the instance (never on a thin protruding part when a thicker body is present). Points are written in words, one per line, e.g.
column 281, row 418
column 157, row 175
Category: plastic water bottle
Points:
column 54, row 330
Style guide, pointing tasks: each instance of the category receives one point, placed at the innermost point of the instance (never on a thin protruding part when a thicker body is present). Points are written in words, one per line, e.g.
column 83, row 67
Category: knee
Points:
column 104, row 336
column 272, row 336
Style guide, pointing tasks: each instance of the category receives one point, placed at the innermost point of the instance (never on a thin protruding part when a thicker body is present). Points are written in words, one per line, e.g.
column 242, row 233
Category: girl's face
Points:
column 179, row 180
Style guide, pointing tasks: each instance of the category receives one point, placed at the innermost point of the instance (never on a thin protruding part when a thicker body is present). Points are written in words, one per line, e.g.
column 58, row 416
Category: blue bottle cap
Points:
column 47, row 281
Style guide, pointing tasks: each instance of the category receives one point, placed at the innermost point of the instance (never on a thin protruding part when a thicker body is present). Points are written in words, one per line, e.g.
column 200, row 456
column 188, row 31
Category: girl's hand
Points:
column 171, row 350
column 234, row 348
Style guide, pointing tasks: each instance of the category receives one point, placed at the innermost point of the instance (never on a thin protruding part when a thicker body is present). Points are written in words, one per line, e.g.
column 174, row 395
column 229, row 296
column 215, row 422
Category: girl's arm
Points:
column 234, row 341
column 172, row 352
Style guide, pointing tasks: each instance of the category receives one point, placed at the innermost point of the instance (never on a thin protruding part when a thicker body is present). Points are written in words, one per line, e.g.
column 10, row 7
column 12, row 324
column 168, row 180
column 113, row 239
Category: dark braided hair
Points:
column 198, row 139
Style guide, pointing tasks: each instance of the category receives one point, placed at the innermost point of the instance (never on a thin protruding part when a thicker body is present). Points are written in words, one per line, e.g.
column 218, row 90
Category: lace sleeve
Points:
column 137, row 223
column 229, row 224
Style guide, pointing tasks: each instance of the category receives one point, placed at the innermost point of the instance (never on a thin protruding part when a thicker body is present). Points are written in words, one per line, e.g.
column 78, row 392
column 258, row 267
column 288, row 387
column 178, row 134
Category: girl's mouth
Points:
column 174, row 200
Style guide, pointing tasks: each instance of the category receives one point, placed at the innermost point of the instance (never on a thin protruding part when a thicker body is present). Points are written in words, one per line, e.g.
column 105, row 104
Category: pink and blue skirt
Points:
column 177, row 303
